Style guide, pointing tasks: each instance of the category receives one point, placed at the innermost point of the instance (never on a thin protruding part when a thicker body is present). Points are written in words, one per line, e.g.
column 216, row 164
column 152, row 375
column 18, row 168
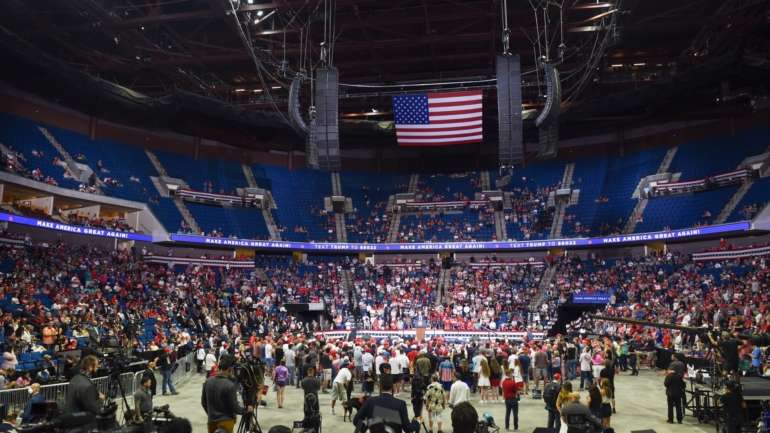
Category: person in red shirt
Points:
column 511, row 397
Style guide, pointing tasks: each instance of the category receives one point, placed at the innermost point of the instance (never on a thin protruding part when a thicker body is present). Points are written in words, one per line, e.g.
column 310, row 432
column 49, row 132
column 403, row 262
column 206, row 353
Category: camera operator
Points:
column 82, row 395
column 143, row 403
column 385, row 401
column 143, row 398
column 220, row 397
column 465, row 419
column 577, row 416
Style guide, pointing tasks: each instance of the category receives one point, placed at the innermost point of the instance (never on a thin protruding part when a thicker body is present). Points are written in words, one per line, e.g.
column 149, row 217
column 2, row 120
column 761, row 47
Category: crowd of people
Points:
column 56, row 296
column 470, row 224
column 84, row 220
column 671, row 288
column 14, row 162
column 529, row 216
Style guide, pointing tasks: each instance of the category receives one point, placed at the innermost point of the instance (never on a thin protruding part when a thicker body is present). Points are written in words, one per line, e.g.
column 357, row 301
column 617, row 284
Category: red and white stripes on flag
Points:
column 438, row 119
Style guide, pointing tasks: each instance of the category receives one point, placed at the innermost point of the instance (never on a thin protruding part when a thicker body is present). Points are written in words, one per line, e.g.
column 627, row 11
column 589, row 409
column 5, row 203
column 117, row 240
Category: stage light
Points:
column 260, row 13
column 374, row 110
column 640, row 64
column 251, row 2
column 256, row 21
column 276, row 87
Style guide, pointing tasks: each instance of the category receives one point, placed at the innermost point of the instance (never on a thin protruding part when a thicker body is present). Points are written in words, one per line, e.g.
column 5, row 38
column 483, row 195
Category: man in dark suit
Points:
column 374, row 406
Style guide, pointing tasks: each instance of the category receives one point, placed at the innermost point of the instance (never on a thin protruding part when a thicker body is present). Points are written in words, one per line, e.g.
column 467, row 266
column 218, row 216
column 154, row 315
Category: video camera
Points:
column 250, row 374
column 580, row 423
column 54, row 421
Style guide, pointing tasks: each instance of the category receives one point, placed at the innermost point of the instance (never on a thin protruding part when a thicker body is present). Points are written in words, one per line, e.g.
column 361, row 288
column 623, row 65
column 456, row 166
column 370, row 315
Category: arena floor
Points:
column 641, row 404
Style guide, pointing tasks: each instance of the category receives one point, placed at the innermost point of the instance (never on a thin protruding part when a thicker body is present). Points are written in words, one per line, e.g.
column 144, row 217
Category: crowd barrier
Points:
column 431, row 333
column 732, row 254
column 16, row 399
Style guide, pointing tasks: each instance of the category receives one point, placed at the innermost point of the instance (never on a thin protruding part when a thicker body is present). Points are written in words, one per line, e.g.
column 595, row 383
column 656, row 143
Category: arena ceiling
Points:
column 663, row 58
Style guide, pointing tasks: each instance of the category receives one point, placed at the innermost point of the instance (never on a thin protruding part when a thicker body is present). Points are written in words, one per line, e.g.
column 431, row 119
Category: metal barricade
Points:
column 16, row 399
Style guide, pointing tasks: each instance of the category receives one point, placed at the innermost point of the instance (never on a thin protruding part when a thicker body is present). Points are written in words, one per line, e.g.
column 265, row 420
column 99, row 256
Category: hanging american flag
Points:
column 438, row 119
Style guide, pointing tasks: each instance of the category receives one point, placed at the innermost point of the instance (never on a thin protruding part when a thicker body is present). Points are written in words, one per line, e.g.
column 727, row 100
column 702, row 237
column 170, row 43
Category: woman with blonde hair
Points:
column 606, row 410
column 484, row 382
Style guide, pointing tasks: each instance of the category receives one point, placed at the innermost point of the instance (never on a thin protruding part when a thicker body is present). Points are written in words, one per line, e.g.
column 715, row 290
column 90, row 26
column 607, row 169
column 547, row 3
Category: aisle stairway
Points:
column 641, row 205
column 561, row 206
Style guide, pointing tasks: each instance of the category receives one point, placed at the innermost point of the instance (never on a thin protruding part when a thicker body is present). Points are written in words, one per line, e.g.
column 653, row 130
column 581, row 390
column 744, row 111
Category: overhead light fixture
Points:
column 276, row 87
column 251, row 2
column 259, row 13
column 256, row 21
column 257, row 90
column 141, row 28
column 240, row 90
column 640, row 64
column 374, row 110
column 597, row 5
column 616, row 65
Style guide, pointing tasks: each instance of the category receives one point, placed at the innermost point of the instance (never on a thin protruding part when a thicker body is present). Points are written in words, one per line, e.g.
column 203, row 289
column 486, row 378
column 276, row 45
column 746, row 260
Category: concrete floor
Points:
column 641, row 404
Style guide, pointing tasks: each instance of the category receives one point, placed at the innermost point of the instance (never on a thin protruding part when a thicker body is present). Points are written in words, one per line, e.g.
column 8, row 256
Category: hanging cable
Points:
column 261, row 70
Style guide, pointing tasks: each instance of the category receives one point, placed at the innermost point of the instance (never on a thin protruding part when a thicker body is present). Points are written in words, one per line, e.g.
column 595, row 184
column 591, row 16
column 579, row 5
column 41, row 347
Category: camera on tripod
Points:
column 250, row 374
column 580, row 423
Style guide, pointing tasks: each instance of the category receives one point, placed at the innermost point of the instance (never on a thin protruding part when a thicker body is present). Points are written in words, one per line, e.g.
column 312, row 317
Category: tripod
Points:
column 249, row 422
column 115, row 382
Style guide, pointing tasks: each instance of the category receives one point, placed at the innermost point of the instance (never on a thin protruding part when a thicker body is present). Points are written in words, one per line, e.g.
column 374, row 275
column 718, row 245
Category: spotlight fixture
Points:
column 251, row 2
column 259, row 13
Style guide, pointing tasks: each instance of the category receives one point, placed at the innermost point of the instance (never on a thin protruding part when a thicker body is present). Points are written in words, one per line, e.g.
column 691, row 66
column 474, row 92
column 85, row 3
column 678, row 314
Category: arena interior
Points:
column 366, row 215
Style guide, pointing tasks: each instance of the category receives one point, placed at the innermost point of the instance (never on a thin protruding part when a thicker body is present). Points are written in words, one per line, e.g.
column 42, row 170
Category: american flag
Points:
column 438, row 119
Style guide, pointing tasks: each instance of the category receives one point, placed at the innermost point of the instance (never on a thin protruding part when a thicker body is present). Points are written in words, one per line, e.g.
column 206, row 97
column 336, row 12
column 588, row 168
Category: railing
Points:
column 16, row 399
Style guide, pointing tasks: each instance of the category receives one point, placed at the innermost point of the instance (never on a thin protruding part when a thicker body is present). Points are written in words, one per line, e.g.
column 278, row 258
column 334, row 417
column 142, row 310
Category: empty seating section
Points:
column 167, row 213
column 697, row 160
column 676, row 212
column 588, row 178
column 370, row 193
column 752, row 203
column 470, row 225
column 529, row 186
column 606, row 186
column 701, row 158
column 299, row 195
column 23, row 136
column 124, row 168
column 246, row 223
column 448, row 187
column 210, row 175
column 607, row 212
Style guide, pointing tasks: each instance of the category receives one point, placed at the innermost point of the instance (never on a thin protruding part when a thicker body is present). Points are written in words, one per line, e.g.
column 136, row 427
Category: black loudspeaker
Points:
column 325, row 137
column 509, row 123
column 548, row 119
